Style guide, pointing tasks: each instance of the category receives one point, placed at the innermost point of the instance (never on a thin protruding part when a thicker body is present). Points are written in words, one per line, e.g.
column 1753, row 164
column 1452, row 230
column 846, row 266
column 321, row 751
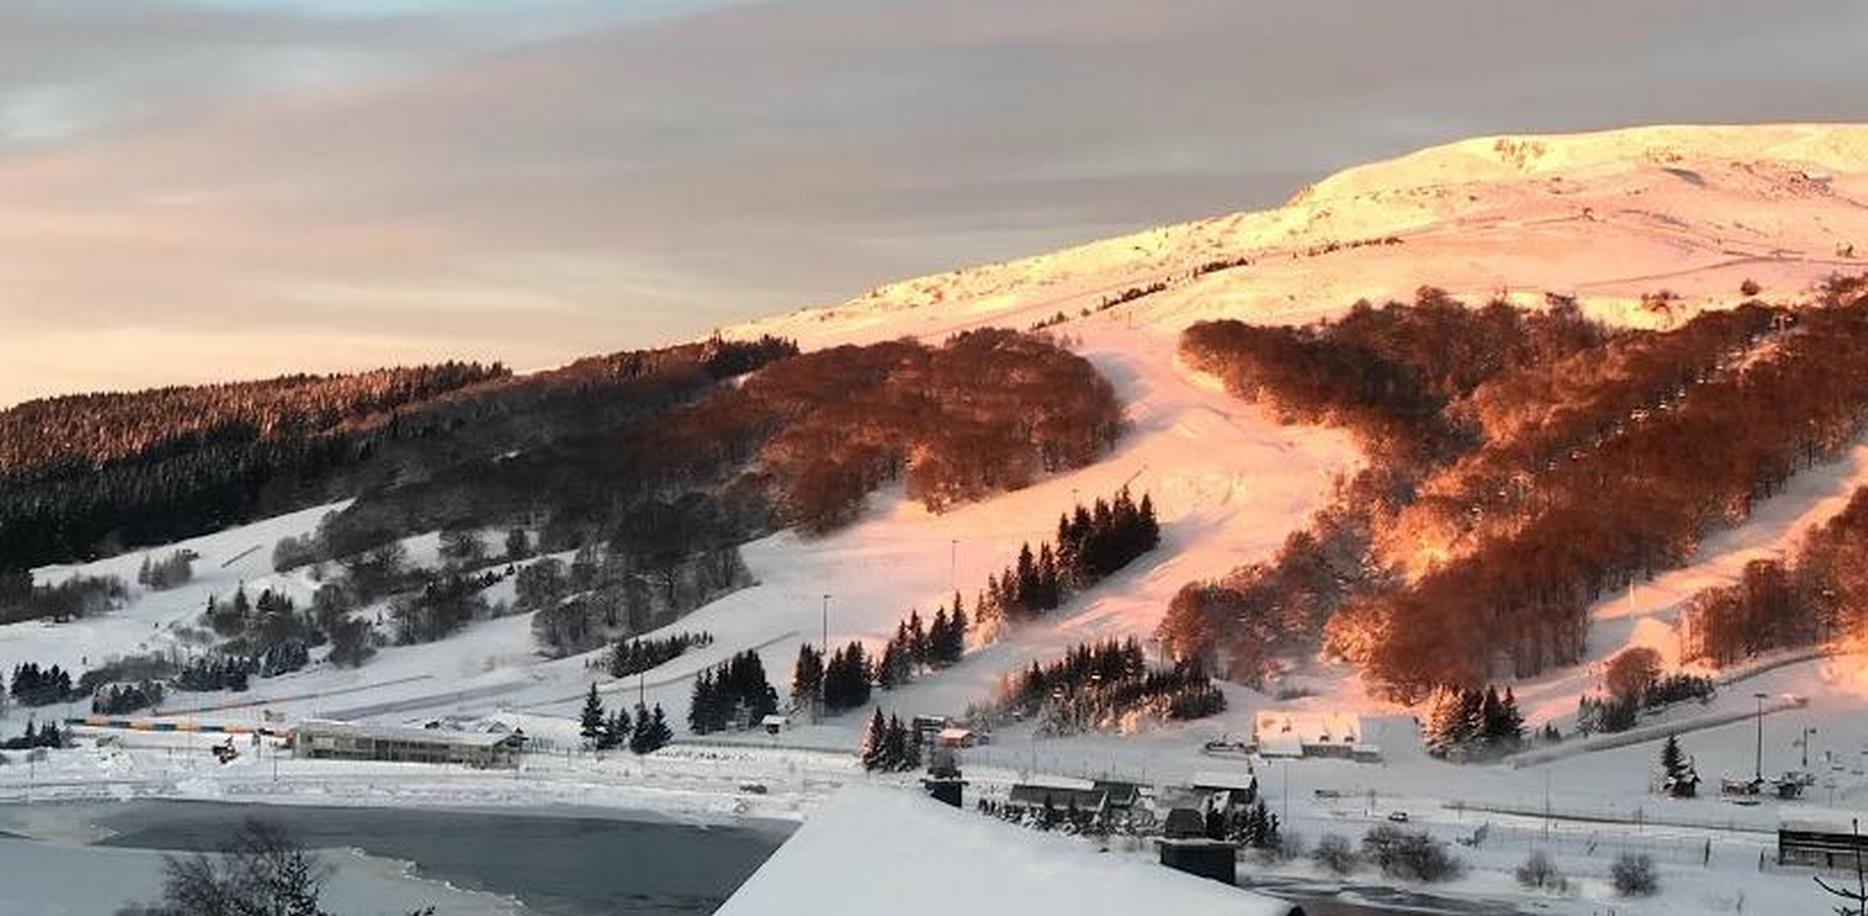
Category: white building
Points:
column 876, row 850
column 1302, row 733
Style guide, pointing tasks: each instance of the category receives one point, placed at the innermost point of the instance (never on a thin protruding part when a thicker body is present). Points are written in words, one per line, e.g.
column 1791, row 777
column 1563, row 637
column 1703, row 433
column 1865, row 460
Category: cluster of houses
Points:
column 1178, row 813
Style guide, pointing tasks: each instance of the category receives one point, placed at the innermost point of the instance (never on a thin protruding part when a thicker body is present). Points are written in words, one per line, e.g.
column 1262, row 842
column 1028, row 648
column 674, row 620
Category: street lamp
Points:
column 1758, row 769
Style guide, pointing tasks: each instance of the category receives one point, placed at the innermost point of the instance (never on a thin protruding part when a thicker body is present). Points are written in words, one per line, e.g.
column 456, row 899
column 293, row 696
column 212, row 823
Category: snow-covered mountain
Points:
column 1607, row 219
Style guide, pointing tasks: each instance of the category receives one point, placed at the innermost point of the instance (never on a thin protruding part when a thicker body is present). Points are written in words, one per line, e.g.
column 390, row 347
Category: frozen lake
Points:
column 93, row 858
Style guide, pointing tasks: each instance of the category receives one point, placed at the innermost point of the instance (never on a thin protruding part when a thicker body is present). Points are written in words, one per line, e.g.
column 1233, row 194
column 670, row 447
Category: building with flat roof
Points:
column 1294, row 733
column 322, row 739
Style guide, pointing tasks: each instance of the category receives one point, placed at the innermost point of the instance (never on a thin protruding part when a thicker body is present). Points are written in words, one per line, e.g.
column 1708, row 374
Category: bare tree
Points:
column 1855, row 902
column 264, row 871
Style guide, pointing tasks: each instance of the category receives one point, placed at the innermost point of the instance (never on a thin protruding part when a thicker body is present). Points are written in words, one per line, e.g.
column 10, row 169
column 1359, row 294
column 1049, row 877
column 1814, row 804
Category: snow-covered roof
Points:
column 877, row 850
column 1059, row 782
column 401, row 733
column 1280, row 726
column 1218, row 780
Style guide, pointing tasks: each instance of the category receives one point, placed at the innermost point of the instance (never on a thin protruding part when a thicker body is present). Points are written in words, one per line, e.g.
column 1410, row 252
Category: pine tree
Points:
column 892, row 669
column 591, row 722
column 615, row 731
column 1049, row 596
column 639, row 733
column 807, row 678
column 701, row 709
column 518, row 546
column 1511, row 719
column 1671, row 759
column 874, row 742
column 917, row 639
column 1025, row 582
column 896, row 751
column 938, row 640
column 1490, row 715
column 659, row 732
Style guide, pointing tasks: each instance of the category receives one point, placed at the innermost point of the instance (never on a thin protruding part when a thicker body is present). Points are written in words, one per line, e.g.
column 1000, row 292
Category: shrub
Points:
column 1336, row 855
column 1633, row 875
column 1539, row 872
column 1411, row 855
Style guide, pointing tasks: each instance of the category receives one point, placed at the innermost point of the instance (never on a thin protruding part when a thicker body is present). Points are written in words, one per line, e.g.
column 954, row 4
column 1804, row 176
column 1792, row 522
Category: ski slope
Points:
column 1604, row 217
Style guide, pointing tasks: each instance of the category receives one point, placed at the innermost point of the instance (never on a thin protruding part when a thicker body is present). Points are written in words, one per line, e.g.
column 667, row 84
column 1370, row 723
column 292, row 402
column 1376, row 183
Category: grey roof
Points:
column 401, row 733
column 1183, row 822
column 1059, row 798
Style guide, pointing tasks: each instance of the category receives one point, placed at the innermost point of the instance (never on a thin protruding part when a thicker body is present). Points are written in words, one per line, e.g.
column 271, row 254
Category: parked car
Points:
column 1399, row 817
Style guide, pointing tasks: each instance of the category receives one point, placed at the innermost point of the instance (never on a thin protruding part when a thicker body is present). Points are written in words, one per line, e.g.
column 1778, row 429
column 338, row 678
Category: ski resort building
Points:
column 319, row 739
column 1820, row 846
column 1289, row 733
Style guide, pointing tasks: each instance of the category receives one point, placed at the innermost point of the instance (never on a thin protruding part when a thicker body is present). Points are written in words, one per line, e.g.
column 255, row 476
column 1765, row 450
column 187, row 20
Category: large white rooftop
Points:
column 876, row 850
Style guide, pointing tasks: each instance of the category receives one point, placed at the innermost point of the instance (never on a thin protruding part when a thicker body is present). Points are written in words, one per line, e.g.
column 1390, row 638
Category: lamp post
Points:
column 1757, row 772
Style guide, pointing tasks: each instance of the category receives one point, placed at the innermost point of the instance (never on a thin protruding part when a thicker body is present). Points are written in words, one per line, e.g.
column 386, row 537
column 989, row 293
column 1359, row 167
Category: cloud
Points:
column 244, row 187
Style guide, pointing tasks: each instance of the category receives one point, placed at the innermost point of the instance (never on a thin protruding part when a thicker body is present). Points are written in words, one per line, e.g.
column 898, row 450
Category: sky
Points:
column 195, row 190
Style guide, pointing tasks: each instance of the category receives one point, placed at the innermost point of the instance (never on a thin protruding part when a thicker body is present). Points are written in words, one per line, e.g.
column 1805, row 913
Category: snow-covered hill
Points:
column 1606, row 218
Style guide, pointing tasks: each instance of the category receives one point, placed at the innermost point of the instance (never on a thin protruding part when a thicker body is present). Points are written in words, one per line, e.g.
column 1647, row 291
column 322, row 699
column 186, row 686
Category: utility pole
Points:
column 1285, row 818
column 953, row 559
column 1758, row 769
column 826, row 642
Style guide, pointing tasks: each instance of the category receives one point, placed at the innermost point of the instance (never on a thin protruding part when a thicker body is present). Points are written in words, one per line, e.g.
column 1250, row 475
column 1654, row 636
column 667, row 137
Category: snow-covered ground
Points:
column 1604, row 217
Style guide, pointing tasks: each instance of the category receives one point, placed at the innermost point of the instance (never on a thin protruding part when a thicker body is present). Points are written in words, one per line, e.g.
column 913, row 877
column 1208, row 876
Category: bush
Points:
column 1411, row 855
column 1336, row 855
column 1539, row 872
column 1633, row 874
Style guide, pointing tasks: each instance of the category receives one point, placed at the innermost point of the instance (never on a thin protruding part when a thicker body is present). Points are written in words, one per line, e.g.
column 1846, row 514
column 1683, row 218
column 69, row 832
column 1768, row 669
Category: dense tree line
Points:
column 47, row 735
column 1249, row 620
column 634, row 656
column 1520, row 474
column 1817, row 594
column 1634, row 503
column 847, row 677
column 1091, row 544
column 1471, row 722
column 888, row 746
column 603, row 595
column 82, row 475
column 88, row 475
column 985, row 412
column 117, row 699
column 167, row 572
column 1388, row 374
column 646, row 733
column 76, row 597
column 732, row 694
column 1107, row 685
column 36, row 686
